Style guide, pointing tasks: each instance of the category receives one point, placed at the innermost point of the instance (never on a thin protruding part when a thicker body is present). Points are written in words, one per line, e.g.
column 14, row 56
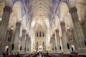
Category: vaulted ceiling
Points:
column 44, row 8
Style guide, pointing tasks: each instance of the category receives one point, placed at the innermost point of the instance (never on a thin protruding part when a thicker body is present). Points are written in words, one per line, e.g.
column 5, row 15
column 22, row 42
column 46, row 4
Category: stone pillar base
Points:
column 59, row 52
column 22, row 52
column 81, row 51
column 66, row 52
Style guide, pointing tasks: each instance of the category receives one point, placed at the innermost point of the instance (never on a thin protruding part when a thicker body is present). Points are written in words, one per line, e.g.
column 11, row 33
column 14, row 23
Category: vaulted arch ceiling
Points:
column 44, row 7
column 40, row 8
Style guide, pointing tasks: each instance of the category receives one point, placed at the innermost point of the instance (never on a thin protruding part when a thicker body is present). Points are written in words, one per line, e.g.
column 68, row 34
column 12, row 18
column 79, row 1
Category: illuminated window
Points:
column 39, row 34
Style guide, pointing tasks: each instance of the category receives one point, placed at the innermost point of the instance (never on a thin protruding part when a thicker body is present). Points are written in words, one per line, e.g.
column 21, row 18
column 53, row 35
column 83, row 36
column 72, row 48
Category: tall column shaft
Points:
column 78, row 33
column 77, row 27
column 83, row 25
column 23, row 41
column 17, row 33
column 54, row 43
column 71, row 39
column 57, row 40
column 5, row 20
column 4, row 25
column 28, row 44
column 64, row 38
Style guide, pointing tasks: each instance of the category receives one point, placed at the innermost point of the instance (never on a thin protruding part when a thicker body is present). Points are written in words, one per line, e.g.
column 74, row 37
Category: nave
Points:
column 30, row 26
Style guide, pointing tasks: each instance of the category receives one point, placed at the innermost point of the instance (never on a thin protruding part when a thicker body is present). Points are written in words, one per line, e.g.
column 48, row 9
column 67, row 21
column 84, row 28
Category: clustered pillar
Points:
column 64, row 38
column 4, row 25
column 78, row 33
column 17, row 33
column 58, row 40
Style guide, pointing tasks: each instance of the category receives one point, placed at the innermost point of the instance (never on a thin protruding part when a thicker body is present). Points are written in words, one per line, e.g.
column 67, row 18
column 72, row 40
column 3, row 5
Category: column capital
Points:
column 7, row 9
column 73, row 9
column 18, row 23
column 24, row 30
column 62, row 23
column 62, row 26
column 57, row 30
column 53, row 35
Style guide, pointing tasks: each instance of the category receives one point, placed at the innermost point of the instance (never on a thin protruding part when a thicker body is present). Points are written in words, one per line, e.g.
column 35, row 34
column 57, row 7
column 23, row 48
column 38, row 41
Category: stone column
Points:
column 5, row 18
column 57, row 40
column 17, row 33
column 28, row 43
column 79, row 37
column 71, row 38
column 10, row 38
column 61, row 45
column 56, row 44
column 83, row 25
column 4, row 24
column 53, row 43
column 23, row 41
column 64, row 38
